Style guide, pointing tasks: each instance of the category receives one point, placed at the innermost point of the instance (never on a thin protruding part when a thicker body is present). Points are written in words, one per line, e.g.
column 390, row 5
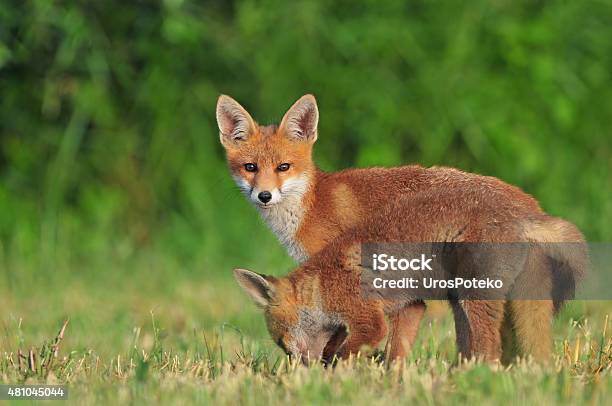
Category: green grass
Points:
column 138, row 337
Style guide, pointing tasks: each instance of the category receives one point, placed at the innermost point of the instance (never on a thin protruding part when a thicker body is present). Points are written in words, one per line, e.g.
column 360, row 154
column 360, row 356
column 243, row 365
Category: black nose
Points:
column 265, row 196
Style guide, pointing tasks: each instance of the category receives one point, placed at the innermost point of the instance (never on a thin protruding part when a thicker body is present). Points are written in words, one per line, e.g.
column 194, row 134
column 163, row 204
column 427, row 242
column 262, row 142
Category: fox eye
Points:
column 283, row 167
column 250, row 167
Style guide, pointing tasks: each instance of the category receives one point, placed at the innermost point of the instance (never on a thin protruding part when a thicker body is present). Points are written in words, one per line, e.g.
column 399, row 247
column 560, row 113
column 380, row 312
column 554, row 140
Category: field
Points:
column 143, row 337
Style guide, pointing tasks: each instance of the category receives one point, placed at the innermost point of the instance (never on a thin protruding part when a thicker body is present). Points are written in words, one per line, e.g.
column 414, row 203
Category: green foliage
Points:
column 109, row 145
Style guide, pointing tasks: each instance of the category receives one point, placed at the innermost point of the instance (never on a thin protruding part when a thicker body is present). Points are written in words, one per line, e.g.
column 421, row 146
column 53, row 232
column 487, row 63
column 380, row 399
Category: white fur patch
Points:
column 284, row 213
column 284, row 217
column 243, row 185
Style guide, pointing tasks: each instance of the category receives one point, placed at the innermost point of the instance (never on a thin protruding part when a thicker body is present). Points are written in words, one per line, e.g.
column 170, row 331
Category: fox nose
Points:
column 265, row 196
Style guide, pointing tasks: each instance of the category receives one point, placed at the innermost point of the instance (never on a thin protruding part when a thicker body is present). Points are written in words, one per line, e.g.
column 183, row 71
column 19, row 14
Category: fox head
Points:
column 269, row 163
column 294, row 316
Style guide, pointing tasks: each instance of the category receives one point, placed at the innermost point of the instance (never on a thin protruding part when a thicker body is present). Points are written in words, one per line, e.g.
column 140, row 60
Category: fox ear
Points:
column 301, row 120
column 257, row 286
column 235, row 123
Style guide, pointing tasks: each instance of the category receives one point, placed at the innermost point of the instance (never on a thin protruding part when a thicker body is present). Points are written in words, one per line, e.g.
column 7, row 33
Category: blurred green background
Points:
column 109, row 156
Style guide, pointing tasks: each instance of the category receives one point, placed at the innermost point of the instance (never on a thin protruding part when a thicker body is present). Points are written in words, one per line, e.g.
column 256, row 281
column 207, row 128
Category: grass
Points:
column 141, row 337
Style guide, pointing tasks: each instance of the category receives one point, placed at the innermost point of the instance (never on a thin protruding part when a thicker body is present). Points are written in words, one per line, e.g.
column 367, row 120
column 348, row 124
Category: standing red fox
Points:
column 307, row 208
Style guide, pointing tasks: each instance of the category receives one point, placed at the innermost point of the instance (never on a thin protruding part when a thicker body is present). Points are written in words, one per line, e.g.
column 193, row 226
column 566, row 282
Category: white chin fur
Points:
column 284, row 212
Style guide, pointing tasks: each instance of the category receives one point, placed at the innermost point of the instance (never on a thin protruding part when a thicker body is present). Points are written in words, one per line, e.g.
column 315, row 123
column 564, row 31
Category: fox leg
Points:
column 462, row 329
column 532, row 321
column 508, row 337
column 478, row 324
column 404, row 326
column 368, row 328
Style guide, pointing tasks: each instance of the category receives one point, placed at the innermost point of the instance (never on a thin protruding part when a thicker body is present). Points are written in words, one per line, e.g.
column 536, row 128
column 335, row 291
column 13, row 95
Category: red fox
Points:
column 308, row 208
column 319, row 309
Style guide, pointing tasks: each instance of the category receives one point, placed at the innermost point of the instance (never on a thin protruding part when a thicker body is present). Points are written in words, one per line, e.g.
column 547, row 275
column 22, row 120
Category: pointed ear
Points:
column 301, row 120
column 235, row 123
column 258, row 287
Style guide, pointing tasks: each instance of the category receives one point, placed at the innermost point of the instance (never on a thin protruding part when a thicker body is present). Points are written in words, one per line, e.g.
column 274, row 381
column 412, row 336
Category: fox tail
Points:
column 566, row 250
